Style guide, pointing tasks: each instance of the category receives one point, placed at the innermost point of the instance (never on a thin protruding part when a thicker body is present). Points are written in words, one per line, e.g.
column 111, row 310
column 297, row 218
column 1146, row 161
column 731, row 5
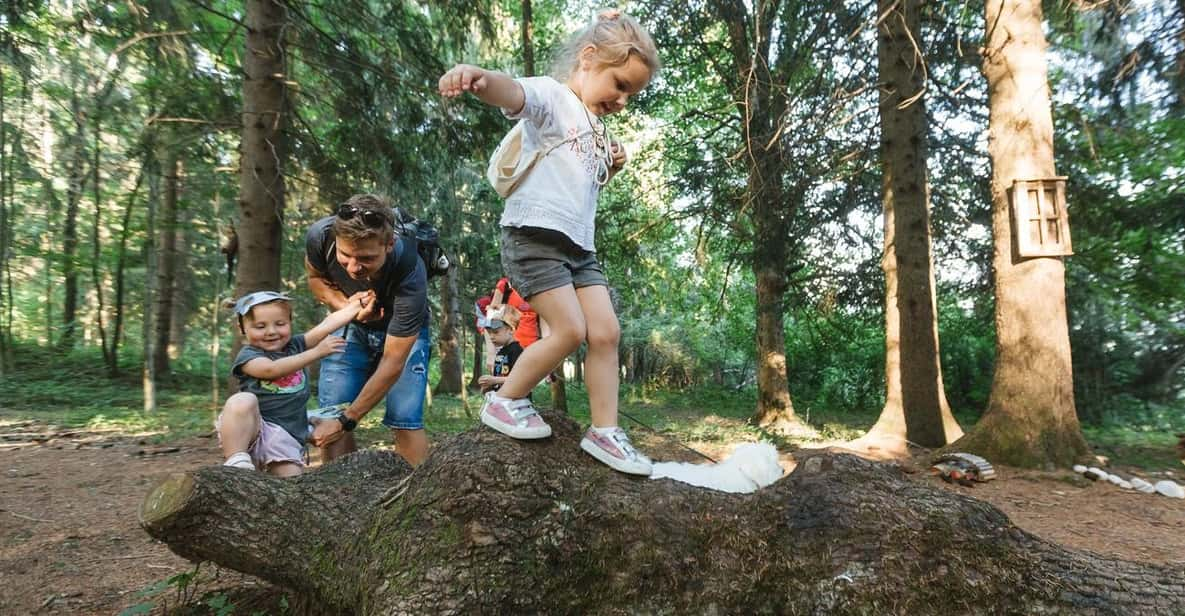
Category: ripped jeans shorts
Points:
column 343, row 375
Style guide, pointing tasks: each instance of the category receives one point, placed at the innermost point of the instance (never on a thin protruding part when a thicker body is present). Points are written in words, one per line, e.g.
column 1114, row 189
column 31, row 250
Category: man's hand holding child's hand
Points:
column 370, row 309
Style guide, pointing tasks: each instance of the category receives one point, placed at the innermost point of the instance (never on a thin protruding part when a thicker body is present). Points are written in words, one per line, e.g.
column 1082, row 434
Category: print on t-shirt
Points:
column 284, row 385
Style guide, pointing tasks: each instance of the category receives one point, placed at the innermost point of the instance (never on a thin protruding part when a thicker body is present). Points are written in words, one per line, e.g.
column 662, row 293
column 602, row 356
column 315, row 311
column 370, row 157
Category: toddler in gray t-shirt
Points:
column 264, row 425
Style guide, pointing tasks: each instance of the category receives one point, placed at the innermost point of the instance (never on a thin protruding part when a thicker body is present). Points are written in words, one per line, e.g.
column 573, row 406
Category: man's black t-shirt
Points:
column 404, row 302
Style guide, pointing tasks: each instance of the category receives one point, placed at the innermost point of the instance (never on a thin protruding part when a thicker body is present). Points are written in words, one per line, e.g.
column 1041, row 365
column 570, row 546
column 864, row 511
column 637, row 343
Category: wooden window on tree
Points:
column 1039, row 217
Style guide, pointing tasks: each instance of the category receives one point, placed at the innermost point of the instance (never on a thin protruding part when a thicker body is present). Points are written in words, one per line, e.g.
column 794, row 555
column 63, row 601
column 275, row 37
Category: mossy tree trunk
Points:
column 493, row 525
column 1031, row 419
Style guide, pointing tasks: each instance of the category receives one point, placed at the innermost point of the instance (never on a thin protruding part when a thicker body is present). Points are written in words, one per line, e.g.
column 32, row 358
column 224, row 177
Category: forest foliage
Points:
column 97, row 100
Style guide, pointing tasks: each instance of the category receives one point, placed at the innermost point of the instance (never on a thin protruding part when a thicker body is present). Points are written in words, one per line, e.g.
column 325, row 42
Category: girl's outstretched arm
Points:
column 492, row 87
column 338, row 318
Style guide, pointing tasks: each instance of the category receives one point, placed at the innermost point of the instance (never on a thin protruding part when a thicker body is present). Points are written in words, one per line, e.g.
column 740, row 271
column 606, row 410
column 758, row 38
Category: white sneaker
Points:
column 615, row 451
column 514, row 418
column 240, row 460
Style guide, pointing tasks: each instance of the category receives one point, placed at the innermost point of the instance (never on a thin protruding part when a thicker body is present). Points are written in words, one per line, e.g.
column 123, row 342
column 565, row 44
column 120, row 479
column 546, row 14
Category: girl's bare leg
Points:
column 561, row 308
column 239, row 423
column 601, row 365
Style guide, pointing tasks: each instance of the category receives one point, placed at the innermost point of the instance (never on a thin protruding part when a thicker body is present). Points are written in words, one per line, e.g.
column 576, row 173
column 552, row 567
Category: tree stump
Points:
column 490, row 524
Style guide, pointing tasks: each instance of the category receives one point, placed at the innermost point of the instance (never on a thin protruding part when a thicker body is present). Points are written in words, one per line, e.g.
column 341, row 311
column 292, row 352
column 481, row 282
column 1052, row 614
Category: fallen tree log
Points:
column 489, row 524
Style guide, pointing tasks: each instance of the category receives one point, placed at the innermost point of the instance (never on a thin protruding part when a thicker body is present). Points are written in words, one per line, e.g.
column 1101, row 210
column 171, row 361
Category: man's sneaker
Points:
column 240, row 460
column 514, row 418
column 615, row 451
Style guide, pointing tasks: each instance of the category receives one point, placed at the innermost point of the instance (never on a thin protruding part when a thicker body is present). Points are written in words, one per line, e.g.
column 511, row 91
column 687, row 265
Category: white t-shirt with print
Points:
column 560, row 192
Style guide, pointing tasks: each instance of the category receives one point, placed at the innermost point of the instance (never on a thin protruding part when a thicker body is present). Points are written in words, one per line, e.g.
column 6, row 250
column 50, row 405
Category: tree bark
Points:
column 150, row 290
column 1030, row 420
column 478, row 356
column 75, row 180
column 166, row 265
column 5, row 165
column 97, row 276
column 492, row 525
column 120, row 275
column 528, row 48
column 750, row 36
column 263, row 150
column 916, row 409
column 183, row 283
column 451, row 368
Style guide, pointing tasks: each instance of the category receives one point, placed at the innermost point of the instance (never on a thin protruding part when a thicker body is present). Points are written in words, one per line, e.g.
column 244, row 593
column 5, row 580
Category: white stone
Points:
column 1095, row 473
column 1170, row 489
column 1078, row 468
column 1126, row 485
column 1115, row 479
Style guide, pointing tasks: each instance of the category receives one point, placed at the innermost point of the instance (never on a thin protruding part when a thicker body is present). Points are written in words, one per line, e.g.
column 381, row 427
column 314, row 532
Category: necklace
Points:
column 600, row 143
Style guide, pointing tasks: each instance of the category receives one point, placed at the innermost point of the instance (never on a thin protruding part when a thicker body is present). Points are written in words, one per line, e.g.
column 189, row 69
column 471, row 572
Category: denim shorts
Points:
column 537, row 260
column 343, row 375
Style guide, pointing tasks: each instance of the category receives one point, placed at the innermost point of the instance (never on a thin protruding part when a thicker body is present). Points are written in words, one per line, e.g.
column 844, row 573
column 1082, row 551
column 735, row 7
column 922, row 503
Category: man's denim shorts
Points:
column 343, row 375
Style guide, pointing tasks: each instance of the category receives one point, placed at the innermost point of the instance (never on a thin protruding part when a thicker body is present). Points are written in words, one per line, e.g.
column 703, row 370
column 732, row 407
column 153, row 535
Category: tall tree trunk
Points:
column 840, row 535
column 149, row 375
column 558, row 385
column 183, row 283
column 263, row 150
column 166, row 264
column 775, row 410
column 75, row 181
column 5, row 165
column 96, row 251
column 527, row 35
column 761, row 107
column 916, row 409
column 478, row 357
column 11, row 215
column 121, row 274
column 450, row 349
column 1030, row 420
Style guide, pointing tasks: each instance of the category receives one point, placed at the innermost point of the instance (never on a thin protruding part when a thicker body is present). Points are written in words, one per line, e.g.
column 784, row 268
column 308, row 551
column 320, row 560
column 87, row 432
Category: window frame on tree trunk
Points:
column 1043, row 202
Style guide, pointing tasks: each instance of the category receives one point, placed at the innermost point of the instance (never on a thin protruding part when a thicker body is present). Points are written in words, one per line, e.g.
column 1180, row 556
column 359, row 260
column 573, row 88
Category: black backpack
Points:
column 426, row 240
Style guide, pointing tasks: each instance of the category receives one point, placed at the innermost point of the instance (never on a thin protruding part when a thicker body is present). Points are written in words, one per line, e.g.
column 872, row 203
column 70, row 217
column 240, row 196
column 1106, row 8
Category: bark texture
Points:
column 1030, row 420
column 450, row 343
column 166, row 264
column 261, row 179
column 492, row 525
column 915, row 404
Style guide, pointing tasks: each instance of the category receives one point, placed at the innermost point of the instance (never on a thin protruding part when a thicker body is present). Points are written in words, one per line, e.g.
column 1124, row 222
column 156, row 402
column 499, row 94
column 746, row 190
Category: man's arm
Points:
column 395, row 352
column 390, row 368
column 323, row 289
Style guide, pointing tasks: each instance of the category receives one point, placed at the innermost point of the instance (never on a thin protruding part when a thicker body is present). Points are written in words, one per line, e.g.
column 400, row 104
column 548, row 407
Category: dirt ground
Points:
column 70, row 541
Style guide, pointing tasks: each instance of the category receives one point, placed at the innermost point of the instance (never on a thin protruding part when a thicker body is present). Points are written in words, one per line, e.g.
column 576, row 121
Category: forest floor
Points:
column 70, row 541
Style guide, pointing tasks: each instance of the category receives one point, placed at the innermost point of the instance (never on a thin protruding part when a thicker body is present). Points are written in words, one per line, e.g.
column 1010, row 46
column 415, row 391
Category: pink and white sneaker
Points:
column 615, row 451
column 514, row 418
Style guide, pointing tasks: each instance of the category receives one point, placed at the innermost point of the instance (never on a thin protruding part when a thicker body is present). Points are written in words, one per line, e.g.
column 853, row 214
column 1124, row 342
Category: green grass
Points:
column 1128, row 446
column 74, row 391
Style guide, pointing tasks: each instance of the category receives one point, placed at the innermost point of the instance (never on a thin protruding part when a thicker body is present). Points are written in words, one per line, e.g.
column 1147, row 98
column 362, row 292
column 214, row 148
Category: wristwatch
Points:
column 347, row 424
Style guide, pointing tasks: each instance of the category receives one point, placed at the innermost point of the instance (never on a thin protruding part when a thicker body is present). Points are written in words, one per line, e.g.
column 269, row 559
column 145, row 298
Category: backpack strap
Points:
column 405, row 261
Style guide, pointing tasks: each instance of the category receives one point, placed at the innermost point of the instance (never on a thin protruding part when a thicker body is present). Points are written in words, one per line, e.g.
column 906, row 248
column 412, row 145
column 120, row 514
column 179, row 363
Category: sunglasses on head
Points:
column 371, row 218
